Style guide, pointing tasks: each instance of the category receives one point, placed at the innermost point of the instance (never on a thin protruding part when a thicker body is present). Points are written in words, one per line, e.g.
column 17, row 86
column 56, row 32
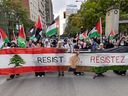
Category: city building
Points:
column 49, row 12
column 36, row 8
column 71, row 9
column 42, row 12
column 33, row 10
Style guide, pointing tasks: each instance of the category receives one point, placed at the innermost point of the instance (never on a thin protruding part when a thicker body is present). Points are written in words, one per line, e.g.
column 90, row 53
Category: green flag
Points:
column 52, row 30
column 3, row 38
column 93, row 33
column 22, row 38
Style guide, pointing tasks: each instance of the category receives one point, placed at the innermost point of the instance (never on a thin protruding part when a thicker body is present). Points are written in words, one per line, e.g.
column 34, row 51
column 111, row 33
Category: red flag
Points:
column 98, row 27
column 3, row 34
column 22, row 33
column 112, row 33
column 85, row 34
column 38, row 24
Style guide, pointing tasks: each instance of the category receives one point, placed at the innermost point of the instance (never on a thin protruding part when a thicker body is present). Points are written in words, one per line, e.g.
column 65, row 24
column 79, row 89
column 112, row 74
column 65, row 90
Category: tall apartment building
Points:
column 37, row 8
column 49, row 12
column 42, row 12
column 33, row 10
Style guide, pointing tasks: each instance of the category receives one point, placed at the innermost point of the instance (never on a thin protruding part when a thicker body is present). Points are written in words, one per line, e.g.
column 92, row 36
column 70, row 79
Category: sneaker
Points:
column 9, row 79
column 42, row 76
column 38, row 76
column 77, row 74
column 123, row 74
column 82, row 74
column 17, row 76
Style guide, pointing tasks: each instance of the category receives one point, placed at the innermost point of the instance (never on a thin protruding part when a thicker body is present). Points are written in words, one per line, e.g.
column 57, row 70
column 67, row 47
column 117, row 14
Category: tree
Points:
column 92, row 10
column 21, row 13
column 17, row 61
column 74, row 24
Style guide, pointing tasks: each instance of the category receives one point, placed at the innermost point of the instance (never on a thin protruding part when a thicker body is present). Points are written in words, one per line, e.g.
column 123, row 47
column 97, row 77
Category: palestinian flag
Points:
column 3, row 38
column 93, row 33
column 38, row 24
column 32, row 32
column 83, row 36
column 99, row 27
column 52, row 30
column 111, row 35
column 36, row 31
column 22, row 38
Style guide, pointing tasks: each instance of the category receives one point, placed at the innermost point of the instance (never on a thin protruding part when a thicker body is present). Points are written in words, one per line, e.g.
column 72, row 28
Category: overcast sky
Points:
column 60, row 5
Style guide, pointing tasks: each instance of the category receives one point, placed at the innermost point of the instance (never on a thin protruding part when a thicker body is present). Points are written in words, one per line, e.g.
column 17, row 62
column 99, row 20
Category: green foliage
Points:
column 98, row 70
column 73, row 25
column 104, row 69
column 17, row 61
column 92, row 10
column 17, row 8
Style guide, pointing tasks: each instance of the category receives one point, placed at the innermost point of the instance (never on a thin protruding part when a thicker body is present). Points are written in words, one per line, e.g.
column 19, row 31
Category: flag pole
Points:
column 57, row 21
column 58, row 34
column 101, row 35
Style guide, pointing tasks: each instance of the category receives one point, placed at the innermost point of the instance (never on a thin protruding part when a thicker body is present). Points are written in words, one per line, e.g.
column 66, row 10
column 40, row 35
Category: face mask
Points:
column 122, row 43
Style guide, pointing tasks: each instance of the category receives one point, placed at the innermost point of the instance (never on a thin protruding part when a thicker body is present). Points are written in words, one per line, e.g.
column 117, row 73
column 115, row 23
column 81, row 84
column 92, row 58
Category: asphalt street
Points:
column 52, row 85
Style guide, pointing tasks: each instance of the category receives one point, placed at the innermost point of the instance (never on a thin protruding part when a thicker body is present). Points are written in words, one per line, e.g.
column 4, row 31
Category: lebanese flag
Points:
column 99, row 27
column 22, row 38
column 50, row 60
column 38, row 24
column 3, row 38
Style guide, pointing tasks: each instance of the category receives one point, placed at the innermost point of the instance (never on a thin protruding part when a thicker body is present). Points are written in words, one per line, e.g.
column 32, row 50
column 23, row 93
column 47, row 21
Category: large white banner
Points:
column 103, row 59
column 63, row 59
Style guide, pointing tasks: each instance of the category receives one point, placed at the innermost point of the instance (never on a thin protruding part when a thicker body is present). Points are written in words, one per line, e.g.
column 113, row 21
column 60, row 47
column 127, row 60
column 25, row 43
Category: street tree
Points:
column 16, row 7
column 92, row 10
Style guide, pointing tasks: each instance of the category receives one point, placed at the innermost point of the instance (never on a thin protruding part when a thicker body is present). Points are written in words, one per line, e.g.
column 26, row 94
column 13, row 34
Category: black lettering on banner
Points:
column 44, row 59
column 54, row 59
column 48, row 59
column 61, row 59
column 39, row 60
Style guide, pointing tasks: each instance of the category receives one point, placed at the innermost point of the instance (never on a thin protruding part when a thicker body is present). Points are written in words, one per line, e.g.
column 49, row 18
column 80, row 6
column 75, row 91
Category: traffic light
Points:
column 64, row 15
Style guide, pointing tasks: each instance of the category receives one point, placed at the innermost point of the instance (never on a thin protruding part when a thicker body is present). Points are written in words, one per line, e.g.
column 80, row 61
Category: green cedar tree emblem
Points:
column 17, row 61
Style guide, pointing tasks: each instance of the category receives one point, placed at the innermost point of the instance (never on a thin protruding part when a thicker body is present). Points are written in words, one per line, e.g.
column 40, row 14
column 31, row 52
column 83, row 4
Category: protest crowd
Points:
column 70, row 44
column 81, row 43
